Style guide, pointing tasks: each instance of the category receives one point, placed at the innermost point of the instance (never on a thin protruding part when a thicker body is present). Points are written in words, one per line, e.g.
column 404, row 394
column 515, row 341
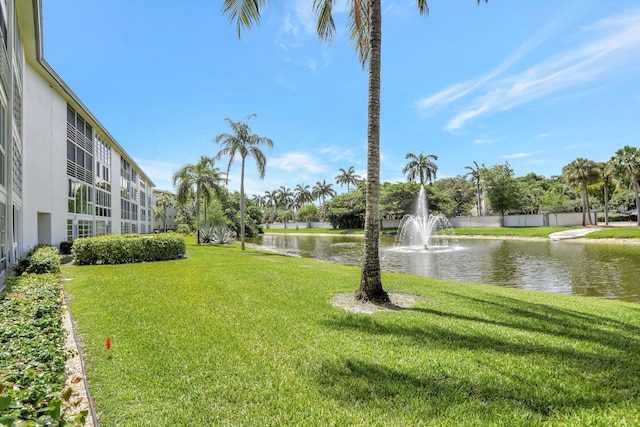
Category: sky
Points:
column 533, row 83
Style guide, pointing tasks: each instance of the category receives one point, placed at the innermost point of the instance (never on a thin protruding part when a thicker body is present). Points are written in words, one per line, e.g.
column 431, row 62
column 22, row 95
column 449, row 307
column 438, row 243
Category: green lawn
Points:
column 527, row 232
column 632, row 232
column 250, row 338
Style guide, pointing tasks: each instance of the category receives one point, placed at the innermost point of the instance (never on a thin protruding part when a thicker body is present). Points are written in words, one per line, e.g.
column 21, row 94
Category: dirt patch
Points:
column 399, row 301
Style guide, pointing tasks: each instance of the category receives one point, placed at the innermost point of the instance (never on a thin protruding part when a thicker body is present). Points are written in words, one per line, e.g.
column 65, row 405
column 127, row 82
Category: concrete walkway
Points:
column 572, row 234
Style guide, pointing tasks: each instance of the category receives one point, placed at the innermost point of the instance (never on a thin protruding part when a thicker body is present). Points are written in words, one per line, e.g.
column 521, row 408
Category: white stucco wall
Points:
column 44, row 161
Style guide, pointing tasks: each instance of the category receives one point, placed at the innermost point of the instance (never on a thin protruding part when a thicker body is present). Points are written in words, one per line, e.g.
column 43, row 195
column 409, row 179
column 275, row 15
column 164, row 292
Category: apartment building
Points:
column 170, row 220
column 62, row 174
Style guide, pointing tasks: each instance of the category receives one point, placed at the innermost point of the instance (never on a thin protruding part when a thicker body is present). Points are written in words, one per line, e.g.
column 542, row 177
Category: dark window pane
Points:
column 71, row 116
column 71, row 152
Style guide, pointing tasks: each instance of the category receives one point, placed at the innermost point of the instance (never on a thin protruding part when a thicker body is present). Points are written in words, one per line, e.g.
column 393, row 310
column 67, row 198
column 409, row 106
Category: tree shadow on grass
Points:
column 543, row 358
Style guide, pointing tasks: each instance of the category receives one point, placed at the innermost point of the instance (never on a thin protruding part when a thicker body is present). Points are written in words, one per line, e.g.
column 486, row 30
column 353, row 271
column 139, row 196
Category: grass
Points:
column 616, row 233
column 249, row 338
column 526, row 232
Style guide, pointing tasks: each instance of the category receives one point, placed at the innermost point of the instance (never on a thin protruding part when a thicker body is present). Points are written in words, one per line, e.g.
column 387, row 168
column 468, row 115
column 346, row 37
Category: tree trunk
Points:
column 479, row 201
column 242, row 205
column 635, row 189
column 370, row 281
column 164, row 219
column 606, row 203
column 198, row 213
column 585, row 205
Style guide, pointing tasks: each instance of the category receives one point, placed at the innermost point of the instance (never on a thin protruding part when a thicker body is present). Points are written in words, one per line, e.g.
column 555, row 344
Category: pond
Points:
column 572, row 268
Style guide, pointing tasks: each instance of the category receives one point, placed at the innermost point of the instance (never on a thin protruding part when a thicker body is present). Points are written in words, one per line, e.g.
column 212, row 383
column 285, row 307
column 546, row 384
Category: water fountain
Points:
column 423, row 229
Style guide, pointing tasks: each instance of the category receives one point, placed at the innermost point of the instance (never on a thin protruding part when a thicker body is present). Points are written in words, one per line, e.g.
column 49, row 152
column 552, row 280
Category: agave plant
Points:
column 219, row 235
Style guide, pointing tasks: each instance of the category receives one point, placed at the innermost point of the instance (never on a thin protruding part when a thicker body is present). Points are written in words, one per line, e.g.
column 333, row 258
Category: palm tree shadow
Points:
column 540, row 337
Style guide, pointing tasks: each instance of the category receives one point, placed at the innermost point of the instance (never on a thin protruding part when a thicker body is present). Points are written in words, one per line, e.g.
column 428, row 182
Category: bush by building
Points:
column 128, row 249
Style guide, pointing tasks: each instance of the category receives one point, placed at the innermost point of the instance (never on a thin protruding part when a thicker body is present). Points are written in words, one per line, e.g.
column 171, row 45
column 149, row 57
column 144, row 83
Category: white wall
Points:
column 44, row 160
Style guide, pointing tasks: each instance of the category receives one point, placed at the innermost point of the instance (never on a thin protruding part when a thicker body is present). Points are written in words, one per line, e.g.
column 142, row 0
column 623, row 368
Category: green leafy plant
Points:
column 32, row 356
column 219, row 235
column 65, row 247
column 183, row 229
column 127, row 249
column 39, row 260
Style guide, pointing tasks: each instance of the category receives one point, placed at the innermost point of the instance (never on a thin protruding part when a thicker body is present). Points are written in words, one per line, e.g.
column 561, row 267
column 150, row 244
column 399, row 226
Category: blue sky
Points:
column 534, row 83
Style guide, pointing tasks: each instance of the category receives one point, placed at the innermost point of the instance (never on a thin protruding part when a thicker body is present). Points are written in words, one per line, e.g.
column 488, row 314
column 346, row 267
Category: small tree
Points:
column 164, row 201
column 582, row 172
column 347, row 177
column 501, row 188
column 245, row 144
column 627, row 165
column 422, row 167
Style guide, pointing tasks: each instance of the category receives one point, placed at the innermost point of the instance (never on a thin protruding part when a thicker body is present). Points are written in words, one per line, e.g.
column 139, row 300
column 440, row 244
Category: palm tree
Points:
column 164, row 201
column 365, row 24
column 258, row 200
column 347, row 177
column 203, row 176
column 421, row 166
column 284, row 197
column 322, row 190
column 626, row 162
column 474, row 173
column 270, row 199
column 302, row 195
column 583, row 172
column 245, row 144
column 606, row 174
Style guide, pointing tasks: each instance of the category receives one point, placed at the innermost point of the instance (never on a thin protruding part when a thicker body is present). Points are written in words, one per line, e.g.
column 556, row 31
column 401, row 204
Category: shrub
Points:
column 65, row 247
column 41, row 259
column 127, row 249
column 44, row 260
column 183, row 229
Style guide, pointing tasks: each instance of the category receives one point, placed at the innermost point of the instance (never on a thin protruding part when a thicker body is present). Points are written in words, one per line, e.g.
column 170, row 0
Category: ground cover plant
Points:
column 225, row 337
column 32, row 355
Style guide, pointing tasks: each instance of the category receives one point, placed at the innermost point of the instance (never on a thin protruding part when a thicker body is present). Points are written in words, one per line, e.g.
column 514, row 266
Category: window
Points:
column 3, row 148
column 80, row 198
column 17, row 169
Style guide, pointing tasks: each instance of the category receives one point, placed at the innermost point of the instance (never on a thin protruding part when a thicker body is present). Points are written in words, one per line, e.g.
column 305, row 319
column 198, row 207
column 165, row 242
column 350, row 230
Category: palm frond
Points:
column 245, row 13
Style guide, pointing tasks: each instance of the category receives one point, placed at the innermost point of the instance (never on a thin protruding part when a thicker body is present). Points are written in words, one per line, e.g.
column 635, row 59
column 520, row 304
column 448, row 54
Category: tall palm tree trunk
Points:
column 164, row 219
column 370, row 281
column 606, row 203
column 635, row 189
column 198, row 213
column 242, row 205
column 585, row 205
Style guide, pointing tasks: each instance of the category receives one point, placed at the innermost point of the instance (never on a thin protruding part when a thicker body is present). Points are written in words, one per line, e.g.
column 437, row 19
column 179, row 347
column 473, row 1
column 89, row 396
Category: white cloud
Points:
column 484, row 141
column 337, row 153
column 516, row 155
column 612, row 43
column 297, row 161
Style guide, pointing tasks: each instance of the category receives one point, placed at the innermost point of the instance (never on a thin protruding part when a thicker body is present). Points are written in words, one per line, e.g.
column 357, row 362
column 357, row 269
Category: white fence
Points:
column 296, row 225
column 546, row 219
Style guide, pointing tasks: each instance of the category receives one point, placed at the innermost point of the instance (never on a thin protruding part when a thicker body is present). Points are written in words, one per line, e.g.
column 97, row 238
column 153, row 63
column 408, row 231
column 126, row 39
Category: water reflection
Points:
column 595, row 270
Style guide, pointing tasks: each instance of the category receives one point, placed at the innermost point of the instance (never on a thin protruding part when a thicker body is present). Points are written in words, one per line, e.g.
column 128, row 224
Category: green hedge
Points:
column 127, row 249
